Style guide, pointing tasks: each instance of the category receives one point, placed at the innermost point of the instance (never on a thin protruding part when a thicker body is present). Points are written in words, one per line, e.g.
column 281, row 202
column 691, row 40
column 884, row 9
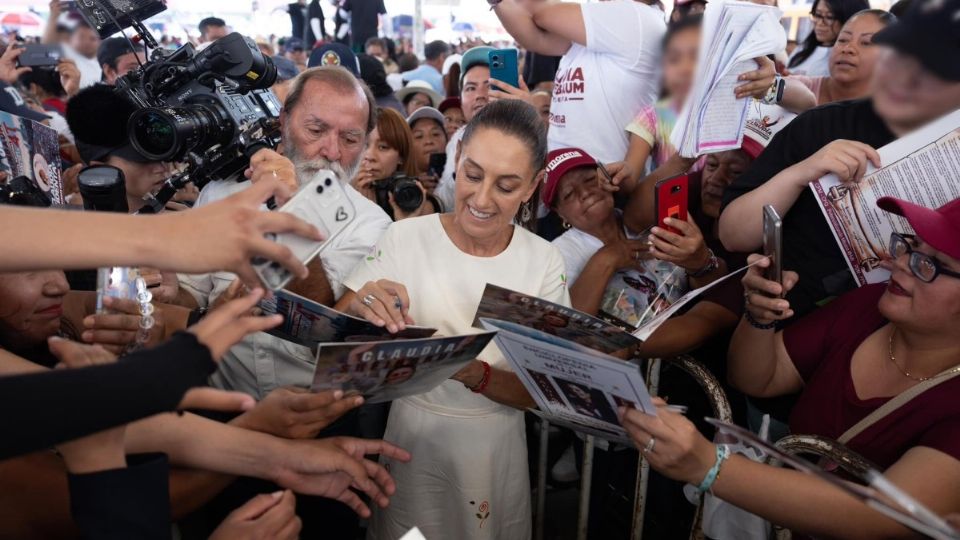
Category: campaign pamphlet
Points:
column 553, row 319
column 571, row 384
column 387, row 370
column 734, row 33
column 31, row 149
column 922, row 167
column 309, row 323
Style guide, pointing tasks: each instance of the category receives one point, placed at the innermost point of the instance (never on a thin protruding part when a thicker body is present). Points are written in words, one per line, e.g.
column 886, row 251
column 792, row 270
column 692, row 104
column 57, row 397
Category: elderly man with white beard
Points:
column 325, row 122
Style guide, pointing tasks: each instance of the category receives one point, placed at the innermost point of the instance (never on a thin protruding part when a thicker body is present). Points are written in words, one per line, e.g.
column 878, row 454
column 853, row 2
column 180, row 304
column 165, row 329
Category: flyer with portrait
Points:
column 922, row 167
column 309, row 323
column 572, row 385
column 553, row 319
column 387, row 370
column 31, row 149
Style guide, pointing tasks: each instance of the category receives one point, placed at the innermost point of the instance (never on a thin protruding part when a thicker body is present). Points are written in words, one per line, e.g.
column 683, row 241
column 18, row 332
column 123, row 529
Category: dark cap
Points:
column 293, row 44
column 12, row 102
column 335, row 54
column 930, row 32
column 112, row 48
column 98, row 118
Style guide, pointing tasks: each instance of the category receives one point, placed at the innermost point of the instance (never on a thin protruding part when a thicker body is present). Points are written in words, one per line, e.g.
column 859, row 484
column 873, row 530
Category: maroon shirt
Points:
column 821, row 346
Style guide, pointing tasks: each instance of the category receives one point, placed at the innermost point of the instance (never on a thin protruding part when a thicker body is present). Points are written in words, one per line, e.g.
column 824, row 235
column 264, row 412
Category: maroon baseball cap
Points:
column 559, row 163
column 940, row 228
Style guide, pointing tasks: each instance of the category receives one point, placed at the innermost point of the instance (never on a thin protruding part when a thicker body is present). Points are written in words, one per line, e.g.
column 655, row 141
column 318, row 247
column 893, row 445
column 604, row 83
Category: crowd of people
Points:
column 545, row 187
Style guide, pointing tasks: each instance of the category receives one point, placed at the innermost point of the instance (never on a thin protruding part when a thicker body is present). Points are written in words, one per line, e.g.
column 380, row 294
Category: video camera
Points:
column 210, row 110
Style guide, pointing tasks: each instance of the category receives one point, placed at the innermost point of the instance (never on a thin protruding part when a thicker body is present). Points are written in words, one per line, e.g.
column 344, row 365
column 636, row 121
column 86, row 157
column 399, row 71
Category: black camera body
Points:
column 406, row 193
column 210, row 109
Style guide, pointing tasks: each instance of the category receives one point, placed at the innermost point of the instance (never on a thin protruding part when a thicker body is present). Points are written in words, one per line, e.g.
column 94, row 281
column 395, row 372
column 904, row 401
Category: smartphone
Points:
column 670, row 200
column 322, row 201
column 40, row 55
column 116, row 282
column 773, row 243
column 504, row 66
column 437, row 163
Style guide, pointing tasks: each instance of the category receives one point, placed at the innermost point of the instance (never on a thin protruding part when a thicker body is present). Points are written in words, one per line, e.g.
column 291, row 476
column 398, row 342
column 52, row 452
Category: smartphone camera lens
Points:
column 328, row 182
column 320, row 189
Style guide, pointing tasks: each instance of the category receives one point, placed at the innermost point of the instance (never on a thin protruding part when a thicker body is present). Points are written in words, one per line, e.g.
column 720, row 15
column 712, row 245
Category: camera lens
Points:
column 407, row 194
column 167, row 134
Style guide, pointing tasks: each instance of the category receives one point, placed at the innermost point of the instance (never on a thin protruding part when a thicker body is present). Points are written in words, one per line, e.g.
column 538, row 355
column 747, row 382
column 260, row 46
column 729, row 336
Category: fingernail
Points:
column 107, row 300
column 277, row 494
column 655, row 230
column 248, row 404
column 337, row 394
column 55, row 338
column 88, row 322
column 87, row 336
column 358, row 401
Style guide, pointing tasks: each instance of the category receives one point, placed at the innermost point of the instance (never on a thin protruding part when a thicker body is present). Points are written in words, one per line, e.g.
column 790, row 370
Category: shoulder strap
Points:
column 898, row 401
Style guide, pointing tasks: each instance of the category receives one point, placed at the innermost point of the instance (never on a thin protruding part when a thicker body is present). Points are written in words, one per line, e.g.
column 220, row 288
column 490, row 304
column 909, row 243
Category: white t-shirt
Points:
column 90, row 72
column 816, row 65
column 445, row 286
column 599, row 88
column 631, row 290
column 261, row 362
column 447, row 183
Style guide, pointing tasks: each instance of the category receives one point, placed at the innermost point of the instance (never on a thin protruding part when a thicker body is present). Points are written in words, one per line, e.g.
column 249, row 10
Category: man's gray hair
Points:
column 339, row 79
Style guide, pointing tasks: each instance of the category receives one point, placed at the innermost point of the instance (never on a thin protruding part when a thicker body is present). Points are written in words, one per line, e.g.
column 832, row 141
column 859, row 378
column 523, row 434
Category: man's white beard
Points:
column 308, row 168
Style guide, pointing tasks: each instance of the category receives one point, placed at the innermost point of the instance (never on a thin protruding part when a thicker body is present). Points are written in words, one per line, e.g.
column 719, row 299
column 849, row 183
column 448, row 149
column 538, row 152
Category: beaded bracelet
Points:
column 147, row 321
column 723, row 452
column 757, row 324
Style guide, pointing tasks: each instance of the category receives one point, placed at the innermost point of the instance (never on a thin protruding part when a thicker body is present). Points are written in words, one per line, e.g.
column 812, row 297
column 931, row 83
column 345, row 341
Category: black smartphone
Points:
column 437, row 163
column 773, row 243
column 40, row 55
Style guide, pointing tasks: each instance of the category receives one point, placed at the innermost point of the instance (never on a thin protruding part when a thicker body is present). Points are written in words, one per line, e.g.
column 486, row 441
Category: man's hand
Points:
column 330, row 467
column 267, row 164
column 295, row 413
column 163, row 285
column 69, row 76
column 268, row 516
column 9, row 72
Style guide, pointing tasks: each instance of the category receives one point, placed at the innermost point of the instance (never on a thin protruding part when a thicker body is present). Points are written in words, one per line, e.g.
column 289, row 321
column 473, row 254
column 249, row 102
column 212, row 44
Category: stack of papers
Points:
column 734, row 33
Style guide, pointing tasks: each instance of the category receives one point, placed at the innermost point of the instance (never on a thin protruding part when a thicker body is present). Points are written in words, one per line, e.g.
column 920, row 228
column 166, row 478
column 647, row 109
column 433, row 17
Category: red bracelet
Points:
column 484, row 381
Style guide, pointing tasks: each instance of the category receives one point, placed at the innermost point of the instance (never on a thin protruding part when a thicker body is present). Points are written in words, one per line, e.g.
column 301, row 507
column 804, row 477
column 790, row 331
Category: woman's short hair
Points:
column 516, row 118
column 396, row 134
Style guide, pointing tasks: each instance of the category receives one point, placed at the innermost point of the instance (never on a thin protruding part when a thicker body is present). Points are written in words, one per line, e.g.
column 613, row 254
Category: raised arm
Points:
column 758, row 363
column 544, row 28
column 50, row 32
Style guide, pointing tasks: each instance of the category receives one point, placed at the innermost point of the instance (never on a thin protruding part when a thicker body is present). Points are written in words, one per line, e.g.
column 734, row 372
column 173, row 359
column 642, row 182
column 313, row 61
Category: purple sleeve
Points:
column 943, row 436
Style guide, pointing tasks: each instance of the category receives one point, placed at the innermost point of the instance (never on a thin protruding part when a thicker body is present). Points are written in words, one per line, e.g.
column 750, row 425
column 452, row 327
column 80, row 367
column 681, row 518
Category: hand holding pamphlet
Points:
column 387, row 370
column 922, row 167
column 734, row 33
column 309, row 323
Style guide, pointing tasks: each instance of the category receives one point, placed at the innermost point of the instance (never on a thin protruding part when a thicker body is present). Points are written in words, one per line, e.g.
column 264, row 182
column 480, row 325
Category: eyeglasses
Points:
column 822, row 17
column 923, row 266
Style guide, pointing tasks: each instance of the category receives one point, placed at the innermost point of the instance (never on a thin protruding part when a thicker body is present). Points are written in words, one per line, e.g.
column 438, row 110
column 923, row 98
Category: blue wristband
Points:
column 723, row 452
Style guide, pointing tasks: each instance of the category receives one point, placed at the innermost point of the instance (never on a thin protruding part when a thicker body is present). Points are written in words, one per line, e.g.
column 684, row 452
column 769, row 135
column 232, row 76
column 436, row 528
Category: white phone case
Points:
column 322, row 202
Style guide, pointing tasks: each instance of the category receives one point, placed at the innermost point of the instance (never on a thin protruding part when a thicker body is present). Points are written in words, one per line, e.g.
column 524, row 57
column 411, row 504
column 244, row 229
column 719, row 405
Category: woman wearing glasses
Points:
column 812, row 57
column 862, row 351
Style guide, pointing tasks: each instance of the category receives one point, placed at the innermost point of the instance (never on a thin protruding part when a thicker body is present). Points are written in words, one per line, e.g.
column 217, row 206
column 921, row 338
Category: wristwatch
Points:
column 774, row 94
column 195, row 316
column 712, row 264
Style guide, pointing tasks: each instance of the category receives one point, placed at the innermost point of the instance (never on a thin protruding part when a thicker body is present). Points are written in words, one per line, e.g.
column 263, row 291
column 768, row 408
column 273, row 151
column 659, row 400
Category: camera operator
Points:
column 388, row 170
column 326, row 120
column 117, row 57
column 98, row 119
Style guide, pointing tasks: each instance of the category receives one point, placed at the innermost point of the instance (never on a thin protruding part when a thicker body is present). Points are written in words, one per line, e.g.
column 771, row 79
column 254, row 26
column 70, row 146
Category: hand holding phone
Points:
column 671, row 201
column 323, row 202
column 773, row 243
column 38, row 55
column 504, row 66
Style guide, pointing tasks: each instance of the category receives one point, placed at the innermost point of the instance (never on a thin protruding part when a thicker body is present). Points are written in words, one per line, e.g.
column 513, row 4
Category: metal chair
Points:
column 824, row 448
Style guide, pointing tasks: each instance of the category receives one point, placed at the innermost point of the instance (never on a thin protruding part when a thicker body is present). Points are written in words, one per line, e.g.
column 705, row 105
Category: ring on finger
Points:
column 368, row 300
column 650, row 445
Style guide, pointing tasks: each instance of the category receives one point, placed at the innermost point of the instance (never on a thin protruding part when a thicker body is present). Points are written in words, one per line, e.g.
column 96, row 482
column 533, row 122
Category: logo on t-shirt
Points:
column 569, row 85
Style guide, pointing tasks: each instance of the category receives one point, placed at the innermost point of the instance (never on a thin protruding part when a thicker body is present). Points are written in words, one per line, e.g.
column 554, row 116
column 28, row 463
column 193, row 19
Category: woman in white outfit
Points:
column 468, row 478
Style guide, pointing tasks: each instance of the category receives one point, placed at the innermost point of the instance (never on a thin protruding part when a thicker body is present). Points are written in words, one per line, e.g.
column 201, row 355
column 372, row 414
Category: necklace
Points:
column 906, row 373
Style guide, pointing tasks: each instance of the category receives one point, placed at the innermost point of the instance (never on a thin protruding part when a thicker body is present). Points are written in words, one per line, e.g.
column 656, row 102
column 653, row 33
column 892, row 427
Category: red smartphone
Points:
column 670, row 200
